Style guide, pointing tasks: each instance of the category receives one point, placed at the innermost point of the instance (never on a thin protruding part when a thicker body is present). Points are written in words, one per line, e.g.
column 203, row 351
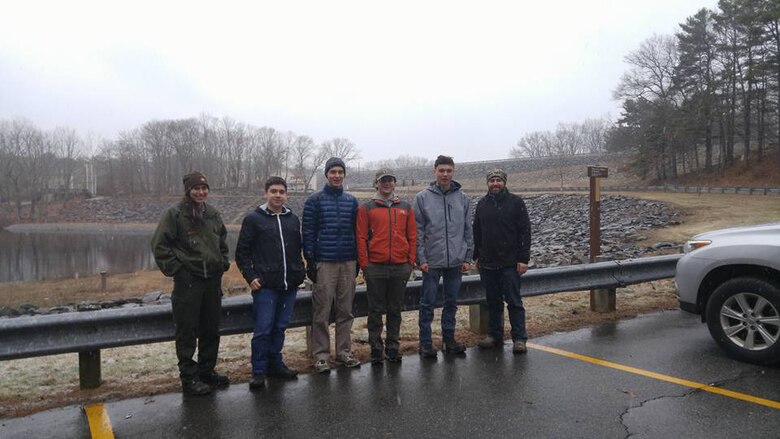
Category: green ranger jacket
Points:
column 179, row 243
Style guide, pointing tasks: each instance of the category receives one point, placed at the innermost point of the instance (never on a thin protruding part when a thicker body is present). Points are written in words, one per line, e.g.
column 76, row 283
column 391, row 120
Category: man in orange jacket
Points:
column 387, row 248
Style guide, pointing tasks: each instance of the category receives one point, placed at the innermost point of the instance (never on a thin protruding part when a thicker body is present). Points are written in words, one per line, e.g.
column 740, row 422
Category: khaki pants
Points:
column 335, row 281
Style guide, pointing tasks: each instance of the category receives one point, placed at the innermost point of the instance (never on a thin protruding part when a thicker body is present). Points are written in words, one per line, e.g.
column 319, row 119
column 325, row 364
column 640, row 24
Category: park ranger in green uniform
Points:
column 190, row 245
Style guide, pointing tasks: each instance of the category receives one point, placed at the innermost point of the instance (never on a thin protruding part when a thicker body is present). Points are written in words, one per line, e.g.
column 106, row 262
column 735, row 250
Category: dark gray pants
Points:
column 385, row 289
column 197, row 304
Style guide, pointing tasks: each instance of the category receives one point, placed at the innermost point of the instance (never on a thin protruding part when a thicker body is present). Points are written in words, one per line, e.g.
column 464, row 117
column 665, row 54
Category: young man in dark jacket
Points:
column 330, row 252
column 190, row 244
column 502, row 247
column 268, row 254
column 387, row 247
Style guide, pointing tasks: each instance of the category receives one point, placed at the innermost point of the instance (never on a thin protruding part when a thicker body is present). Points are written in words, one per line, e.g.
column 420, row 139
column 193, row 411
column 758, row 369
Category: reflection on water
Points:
column 38, row 256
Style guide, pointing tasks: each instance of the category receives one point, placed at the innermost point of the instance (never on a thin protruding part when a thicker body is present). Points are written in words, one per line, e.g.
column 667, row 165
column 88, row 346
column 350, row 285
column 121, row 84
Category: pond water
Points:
column 39, row 256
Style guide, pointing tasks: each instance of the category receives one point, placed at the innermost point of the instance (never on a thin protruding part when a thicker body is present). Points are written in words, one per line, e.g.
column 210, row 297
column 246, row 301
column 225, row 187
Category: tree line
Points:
column 151, row 158
column 701, row 99
column 705, row 97
column 567, row 139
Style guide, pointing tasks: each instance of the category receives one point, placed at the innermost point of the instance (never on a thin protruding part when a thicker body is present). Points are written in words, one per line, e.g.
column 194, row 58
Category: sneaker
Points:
column 348, row 361
column 258, row 382
column 283, row 372
column 394, row 356
column 195, row 387
column 489, row 343
column 518, row 347
column 376, row 357
column 215, row 379
column 322, row 366
column 428, row 351
column 453, row 347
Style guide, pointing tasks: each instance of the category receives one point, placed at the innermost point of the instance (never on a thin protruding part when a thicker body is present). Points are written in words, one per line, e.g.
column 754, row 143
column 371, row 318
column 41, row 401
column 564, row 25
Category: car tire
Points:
column 743, row 318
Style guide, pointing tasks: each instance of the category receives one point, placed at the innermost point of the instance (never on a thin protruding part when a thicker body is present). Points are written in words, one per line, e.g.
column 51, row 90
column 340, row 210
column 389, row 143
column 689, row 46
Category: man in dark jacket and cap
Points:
column 190, row 244
column 330, row 250
column 268, row 254
column 502, row 247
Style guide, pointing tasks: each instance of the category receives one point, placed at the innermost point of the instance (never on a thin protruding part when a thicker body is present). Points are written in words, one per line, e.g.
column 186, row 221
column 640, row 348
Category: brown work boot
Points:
column 518, row 347
column 489, row 343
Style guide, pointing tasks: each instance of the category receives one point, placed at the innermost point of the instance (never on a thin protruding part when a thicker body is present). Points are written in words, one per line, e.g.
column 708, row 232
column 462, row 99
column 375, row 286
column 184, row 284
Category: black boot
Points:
column 376, row 357
column 428, row 351
column 394, row 356
column 451, row 346
column 195, row 387
column 258, row 382
column 283, row 372
column 215, row 379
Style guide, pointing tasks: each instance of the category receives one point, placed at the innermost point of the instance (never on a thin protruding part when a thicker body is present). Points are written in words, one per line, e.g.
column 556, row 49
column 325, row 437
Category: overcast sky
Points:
column 418, row 78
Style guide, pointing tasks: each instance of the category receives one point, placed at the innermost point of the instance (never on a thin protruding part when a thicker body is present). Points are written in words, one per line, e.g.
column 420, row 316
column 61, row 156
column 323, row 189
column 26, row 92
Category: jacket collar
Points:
column 454, row 186
column 332, row 190
column 386, row 202
column 186, row 208
column 499, row 196
column 263, row 208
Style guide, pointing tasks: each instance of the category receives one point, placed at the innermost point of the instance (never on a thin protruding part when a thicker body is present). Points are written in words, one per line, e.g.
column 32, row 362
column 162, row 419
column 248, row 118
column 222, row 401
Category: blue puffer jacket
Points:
column 329, row 226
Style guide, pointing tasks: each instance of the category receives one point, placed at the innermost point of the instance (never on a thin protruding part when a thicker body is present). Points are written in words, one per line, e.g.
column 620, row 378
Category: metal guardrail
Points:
column 83, row 332
column 667, row 188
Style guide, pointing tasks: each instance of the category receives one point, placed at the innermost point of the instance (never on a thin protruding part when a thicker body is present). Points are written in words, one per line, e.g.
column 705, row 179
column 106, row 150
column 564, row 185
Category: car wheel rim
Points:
column 750, row 321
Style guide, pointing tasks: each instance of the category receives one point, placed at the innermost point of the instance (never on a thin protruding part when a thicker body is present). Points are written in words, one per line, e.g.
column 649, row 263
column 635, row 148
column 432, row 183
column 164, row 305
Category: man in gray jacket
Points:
column 444, row 249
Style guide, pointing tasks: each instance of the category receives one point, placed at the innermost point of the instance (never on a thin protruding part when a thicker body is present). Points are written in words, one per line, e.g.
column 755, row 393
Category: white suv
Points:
column 732, row 278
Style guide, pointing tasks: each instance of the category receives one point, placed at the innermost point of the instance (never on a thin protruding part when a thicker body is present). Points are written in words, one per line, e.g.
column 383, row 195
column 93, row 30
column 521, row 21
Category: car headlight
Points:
column 695, row 244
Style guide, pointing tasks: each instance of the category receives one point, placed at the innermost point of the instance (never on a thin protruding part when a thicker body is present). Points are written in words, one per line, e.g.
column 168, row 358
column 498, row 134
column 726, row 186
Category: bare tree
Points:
column 533, row 144
column 342, row 148
column 594, row 132
column 30, row 162
column 67, row 145
column 652, row 70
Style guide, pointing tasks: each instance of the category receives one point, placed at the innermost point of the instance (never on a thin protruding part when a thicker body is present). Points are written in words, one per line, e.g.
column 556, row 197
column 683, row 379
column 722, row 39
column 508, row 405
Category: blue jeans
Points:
column 430, row 286
column 503, row 285
column 271, row 311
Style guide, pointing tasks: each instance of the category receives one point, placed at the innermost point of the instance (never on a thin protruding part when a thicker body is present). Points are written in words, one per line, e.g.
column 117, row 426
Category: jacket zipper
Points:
column 390, row 234
column 284, row 252
column 446, row 228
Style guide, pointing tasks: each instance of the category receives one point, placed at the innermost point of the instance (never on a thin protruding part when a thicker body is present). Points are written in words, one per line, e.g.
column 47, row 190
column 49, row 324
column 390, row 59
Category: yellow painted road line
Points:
column 669, row 379
column 99, row 422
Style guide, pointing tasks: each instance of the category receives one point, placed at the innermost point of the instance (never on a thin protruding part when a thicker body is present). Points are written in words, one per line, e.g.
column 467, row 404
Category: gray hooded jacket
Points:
column 444, row 234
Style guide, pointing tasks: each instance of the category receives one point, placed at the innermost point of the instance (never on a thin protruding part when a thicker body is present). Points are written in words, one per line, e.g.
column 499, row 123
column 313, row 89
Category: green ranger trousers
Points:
column 197, row 305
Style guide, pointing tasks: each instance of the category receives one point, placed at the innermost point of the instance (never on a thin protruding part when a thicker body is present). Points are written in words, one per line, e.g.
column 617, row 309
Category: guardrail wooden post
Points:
column 603, row 300
column 478, row 318
column 89, row 369
column 103, row 280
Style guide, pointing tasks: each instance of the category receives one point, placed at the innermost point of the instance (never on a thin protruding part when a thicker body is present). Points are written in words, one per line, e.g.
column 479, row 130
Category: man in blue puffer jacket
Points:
column 330, row 249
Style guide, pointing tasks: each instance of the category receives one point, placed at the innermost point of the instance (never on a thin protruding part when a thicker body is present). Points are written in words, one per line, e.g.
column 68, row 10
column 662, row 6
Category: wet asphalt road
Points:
column 482, row 394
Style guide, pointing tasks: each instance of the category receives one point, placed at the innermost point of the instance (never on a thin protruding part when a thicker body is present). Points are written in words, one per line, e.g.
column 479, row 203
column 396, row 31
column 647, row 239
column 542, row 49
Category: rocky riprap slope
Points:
column 560, row 229
column 147, row 209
